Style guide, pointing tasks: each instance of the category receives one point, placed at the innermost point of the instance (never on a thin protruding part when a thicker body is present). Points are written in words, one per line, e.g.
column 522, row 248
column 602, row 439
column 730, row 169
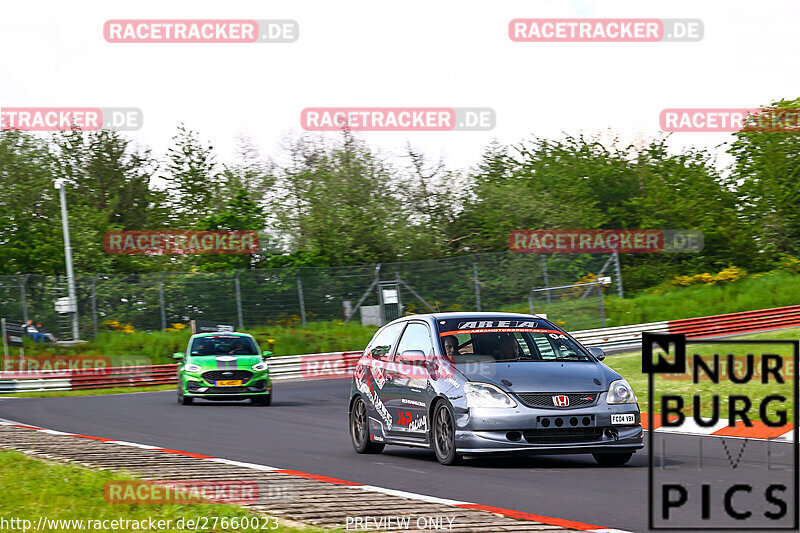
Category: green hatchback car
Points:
column 223, row 366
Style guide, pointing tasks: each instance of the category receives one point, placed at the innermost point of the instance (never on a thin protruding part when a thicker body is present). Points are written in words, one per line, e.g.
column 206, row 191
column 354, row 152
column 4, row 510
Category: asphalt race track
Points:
column 306, row 429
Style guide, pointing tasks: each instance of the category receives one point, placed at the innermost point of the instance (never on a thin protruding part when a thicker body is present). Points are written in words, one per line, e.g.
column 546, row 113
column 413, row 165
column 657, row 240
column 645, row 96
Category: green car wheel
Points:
column 262, row 400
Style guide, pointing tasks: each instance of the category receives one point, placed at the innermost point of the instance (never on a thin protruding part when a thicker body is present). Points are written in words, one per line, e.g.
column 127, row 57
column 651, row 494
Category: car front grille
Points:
column 545, row 401
column 562, row 435
column 225, row 375
column 224, row 390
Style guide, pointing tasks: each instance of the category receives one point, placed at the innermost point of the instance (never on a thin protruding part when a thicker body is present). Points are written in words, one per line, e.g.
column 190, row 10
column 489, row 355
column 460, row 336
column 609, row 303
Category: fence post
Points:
column 161, row 301
column 602, row 304
column 302, row 300
column 24, row 296
column 238, row 288
column 477, row 284
column 619, row 274
column 5, row 346
column 94, row 305
column 546, row 277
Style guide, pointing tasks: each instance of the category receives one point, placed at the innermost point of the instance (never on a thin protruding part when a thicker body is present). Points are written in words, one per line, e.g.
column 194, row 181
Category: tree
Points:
column 766, row 176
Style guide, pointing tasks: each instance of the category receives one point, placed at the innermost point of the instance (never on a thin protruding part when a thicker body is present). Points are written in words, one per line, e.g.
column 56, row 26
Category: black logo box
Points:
column 679, row 342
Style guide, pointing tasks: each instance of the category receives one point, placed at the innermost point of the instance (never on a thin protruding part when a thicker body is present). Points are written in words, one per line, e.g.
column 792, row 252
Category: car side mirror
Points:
column 597, row 352
column 266, row 354
column 413, row 357
column 177, row 355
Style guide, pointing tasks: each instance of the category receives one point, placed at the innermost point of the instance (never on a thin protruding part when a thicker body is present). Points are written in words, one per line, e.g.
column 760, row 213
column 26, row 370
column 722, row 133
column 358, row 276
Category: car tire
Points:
column 183, row 400
column 612, row 459
column 359, row 429
column 262, row 400
column 444, row 435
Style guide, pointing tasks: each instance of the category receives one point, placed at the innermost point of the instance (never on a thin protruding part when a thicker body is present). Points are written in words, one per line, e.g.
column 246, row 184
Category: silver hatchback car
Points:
column 478, row 383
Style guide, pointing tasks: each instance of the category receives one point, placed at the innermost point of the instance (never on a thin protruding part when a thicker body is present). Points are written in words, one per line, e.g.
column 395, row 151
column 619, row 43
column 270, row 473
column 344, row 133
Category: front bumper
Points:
column 196, row 387
column 548, row 431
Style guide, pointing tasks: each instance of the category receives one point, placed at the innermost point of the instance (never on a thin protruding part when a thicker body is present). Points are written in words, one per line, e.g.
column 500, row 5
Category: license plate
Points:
column 623, row 419
column 229, row 383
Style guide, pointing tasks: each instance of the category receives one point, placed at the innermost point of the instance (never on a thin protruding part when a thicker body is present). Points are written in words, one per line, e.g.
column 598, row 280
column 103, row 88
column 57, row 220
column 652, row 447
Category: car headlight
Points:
column 191, row 367
column 620, row 391
column 260, row 367
column 486, row 395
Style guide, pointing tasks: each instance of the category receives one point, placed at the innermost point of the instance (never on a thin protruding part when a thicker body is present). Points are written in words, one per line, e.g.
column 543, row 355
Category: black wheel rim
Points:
column 444, row 432
column 358, row 425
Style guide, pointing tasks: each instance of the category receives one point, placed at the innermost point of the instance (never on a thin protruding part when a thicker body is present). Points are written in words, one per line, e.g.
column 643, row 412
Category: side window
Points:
column 384, row 340
column 544, row 346
column 416, row 337
column 523, row 344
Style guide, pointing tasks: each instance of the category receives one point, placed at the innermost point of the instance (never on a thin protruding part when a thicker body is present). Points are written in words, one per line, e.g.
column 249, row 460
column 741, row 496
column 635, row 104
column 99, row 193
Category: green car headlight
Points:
column 260, row 367
column 191, row 367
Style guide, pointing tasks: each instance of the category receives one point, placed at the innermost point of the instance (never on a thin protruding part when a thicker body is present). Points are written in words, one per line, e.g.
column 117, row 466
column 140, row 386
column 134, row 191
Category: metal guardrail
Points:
column 340, row 364
column 738, row 323
column 312, row 366
column 619, row 336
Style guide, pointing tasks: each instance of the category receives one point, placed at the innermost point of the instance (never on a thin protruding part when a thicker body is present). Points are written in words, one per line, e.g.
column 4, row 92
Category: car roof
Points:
column 475, row 314
column 215, row 333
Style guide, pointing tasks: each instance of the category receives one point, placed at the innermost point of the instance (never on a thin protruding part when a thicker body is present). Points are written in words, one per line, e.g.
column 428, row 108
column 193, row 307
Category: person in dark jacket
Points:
column 33, row 332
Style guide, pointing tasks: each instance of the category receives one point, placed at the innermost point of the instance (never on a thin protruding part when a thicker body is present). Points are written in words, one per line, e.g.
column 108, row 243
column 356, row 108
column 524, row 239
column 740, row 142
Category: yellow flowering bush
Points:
column 726, row 275
column 119, row 327
column 176, row 327
column 790, row 264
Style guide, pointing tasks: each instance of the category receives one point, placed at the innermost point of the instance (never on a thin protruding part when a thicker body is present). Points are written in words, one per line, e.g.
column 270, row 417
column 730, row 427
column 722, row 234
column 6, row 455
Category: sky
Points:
column 400, row 54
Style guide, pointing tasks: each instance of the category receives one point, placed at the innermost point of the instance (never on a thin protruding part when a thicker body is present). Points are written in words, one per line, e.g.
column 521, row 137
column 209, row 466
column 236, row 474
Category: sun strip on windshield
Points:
column 499, row 330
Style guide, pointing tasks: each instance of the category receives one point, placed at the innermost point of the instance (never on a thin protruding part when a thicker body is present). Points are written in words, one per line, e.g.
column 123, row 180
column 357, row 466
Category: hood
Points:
column 542, row 376
column 225, row 362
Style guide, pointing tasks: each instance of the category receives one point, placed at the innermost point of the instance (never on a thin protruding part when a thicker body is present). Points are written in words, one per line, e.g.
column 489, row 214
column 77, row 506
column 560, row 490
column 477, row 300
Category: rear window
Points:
column 223, row 345
column 503, row 339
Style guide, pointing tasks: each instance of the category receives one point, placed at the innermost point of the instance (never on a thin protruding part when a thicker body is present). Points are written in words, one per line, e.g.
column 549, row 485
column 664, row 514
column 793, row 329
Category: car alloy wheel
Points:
column 359, row 429
column 444, row 436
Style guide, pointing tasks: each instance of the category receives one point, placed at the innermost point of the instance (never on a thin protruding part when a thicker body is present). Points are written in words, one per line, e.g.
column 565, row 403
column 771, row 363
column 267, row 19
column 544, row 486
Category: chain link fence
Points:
column 499, row 281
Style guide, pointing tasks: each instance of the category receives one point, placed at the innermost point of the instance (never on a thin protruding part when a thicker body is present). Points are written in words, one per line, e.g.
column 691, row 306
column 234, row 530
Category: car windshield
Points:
column 502, row 339
column 223, row 345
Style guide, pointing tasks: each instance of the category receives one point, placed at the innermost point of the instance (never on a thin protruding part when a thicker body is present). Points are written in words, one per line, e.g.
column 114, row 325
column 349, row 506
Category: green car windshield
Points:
column 223, row 345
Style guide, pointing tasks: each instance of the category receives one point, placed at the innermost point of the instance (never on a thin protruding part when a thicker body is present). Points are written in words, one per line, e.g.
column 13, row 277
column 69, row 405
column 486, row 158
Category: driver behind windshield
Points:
column 202, row 347
column 238, row 348
column 508, row 349
column 450, row 343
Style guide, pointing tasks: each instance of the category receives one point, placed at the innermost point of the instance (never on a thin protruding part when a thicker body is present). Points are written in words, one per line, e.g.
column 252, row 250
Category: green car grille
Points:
column 225, row 375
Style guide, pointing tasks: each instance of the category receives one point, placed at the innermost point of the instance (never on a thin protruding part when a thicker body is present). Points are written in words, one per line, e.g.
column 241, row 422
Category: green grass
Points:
column 33, row 488
column 157, row 347
column 773, row 289
column 90, row 392
column 629, row 366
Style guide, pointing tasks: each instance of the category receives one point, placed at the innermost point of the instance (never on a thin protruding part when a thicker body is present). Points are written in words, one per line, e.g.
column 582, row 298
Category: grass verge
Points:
column 90, row 392
column 32, row 489
column 629, row 366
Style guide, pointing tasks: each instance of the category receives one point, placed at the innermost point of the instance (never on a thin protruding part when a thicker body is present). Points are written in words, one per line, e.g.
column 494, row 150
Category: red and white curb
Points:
column 758, row 431
column 519, row 515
